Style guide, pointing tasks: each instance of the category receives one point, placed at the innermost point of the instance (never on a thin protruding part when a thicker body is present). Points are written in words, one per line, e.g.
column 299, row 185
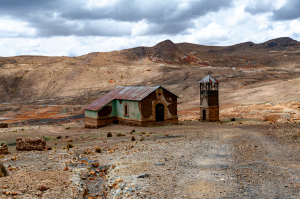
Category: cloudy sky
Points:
column 77, row 27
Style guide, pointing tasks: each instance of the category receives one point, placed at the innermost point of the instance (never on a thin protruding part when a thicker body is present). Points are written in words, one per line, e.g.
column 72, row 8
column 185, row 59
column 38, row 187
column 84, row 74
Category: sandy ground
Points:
column 242, row 159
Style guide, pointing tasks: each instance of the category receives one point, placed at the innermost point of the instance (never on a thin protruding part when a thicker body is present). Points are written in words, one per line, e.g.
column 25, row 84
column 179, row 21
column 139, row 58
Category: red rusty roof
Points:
column 208, row 79
column 124, row 93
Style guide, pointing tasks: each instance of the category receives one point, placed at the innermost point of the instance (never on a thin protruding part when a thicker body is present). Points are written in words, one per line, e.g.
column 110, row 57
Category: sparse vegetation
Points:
column 133, row 138
column 12, row 143
column 69, row 141
column 69, row 146
column 142, row 139
column 58, row 137
column 120, row 135
column 98, row 149
column 68, row 128
column 109, row 134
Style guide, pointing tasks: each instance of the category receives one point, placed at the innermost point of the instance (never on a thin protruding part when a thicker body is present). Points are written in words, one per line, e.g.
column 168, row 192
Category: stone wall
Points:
column 29, row 144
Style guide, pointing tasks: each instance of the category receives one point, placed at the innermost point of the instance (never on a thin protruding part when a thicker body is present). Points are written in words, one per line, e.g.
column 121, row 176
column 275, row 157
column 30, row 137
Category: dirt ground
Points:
column 240, row 159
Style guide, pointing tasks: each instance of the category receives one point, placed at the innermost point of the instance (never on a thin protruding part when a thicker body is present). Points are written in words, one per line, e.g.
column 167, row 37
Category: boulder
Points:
column 3, row 125
column 3, row 171
column 4, row 149
column 29, row 144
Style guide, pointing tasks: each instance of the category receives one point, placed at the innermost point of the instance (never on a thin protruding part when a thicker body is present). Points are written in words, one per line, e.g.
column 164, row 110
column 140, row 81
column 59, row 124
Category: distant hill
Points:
column 176, row 66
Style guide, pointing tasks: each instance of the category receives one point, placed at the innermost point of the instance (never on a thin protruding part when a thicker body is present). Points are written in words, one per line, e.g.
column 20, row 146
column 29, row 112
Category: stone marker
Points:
column 4, row 149
column 29, row 144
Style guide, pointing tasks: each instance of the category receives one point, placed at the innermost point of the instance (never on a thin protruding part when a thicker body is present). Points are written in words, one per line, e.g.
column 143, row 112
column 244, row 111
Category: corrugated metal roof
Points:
column 124, row 93
column 208, row 79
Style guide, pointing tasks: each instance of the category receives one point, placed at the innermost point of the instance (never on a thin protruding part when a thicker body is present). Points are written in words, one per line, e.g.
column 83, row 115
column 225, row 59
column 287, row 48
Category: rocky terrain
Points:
column 253, row 152
column 241, row 159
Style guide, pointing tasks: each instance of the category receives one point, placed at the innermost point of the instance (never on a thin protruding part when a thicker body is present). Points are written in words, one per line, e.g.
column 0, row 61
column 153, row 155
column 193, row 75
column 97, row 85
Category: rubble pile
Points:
column 4, row 149
column 29, row 144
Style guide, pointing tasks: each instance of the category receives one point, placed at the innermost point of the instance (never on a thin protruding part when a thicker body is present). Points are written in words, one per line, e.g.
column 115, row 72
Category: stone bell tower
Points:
column 209, row 99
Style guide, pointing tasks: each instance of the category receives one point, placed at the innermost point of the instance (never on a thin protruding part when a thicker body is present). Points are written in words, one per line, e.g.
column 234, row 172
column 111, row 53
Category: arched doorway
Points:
column 204, row 114
column 160, row 112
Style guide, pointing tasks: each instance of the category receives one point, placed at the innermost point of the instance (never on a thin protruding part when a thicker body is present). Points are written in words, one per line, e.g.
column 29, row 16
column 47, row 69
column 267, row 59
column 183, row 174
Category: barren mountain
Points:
column 178, row 67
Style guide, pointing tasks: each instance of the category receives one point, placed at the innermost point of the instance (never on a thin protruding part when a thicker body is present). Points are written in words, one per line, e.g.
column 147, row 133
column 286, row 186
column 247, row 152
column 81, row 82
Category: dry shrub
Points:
column 143, row 132
column 69, row 146
column 142, row 139
column 1, row 156
column 58, row 137
column 98, row 149
column 119, row 135
column 133, row 130
column 147, row 135
column 104, row 141
column 133, row 138
column 109, row 134
column 70, row 141
column 55, row 143
column 298, row 133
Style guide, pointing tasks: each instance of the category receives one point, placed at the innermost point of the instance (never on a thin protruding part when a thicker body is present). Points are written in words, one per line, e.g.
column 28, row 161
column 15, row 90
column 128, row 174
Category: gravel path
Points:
column 193, row 160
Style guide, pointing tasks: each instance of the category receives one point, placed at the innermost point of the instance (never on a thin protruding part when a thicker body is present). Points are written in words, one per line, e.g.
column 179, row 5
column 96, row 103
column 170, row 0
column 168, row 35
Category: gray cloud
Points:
column 66, row 17
column 289, row 11
column 259, row 7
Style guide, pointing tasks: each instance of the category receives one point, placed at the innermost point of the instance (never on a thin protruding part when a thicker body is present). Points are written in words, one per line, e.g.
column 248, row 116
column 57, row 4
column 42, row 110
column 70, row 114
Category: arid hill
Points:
column 178, row 67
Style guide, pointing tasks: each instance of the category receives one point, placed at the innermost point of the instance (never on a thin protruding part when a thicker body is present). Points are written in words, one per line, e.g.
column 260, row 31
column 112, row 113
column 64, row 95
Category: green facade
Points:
column 92, row 114
column 118, row 110
column 133, row 108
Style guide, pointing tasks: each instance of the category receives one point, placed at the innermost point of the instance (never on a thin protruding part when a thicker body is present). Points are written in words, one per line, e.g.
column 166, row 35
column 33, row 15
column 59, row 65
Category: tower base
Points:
column 209, row 114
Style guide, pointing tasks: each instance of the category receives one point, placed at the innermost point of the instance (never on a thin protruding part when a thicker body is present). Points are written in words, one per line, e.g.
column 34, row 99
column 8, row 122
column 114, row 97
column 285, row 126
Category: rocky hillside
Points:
column 178, row 67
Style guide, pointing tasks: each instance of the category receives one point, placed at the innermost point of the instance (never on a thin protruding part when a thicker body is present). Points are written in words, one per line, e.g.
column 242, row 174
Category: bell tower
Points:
column 209, row 99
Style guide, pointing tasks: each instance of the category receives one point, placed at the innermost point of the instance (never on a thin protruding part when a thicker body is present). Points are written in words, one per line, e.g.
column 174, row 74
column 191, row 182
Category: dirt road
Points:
column 212, row 161
column 193, row 160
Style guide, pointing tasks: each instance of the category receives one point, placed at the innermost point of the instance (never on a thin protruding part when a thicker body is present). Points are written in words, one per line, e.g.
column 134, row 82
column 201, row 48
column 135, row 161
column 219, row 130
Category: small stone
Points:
column 43, row 188
column 95, row 164
column 14, row 193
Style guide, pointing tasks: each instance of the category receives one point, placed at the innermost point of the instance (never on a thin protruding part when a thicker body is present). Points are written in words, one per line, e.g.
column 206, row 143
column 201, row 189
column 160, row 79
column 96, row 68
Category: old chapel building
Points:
column 139, row 106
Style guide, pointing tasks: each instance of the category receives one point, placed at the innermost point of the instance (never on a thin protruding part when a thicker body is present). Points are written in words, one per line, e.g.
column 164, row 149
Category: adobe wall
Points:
column 96, row 123
column 133, row 109
column 130, row 122
column 147, row 105
column 212, row 113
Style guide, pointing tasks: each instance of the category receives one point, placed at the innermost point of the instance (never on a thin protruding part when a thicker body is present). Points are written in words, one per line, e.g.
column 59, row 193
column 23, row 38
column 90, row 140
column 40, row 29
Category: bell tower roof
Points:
column 208, row 79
